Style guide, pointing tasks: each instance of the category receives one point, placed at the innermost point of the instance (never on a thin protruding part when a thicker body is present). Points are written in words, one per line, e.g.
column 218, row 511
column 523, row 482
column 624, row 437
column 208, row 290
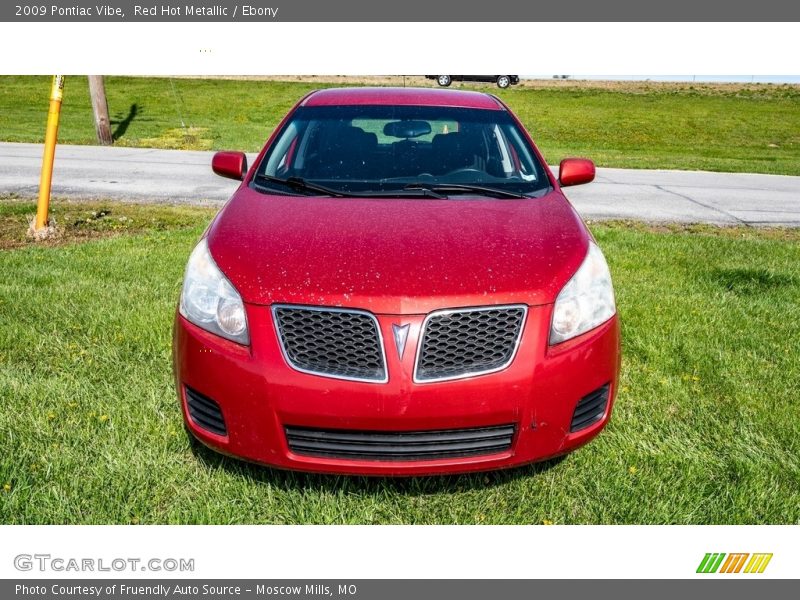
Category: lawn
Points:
column 706, row 427
column 753, row 128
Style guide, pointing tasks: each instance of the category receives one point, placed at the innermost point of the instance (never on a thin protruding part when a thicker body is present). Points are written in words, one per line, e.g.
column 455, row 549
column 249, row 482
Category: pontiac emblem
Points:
column 400, row 337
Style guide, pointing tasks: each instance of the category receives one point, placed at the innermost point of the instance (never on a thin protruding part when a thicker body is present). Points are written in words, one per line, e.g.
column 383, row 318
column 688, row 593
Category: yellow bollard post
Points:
column 51, row 134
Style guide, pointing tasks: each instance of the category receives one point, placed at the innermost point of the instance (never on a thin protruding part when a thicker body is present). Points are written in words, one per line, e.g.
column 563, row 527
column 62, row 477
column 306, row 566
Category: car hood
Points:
column 397, row 256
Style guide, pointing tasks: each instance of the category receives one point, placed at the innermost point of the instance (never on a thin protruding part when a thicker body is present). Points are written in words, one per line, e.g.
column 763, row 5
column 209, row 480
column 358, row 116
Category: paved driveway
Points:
column 185, row 176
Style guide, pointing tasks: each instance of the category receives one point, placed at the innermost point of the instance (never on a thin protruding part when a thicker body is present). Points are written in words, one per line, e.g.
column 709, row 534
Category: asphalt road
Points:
column 186, row 176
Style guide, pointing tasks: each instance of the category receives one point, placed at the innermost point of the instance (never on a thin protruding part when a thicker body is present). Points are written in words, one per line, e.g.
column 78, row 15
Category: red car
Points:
column 397, row 287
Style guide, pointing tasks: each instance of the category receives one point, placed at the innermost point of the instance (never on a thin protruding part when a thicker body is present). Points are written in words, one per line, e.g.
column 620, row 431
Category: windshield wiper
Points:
column 298, row 183
column 458, row 187
column 405, row 192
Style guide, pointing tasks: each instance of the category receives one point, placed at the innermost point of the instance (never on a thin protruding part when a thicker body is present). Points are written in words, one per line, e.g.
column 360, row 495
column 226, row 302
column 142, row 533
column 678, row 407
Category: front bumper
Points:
column 260, row 395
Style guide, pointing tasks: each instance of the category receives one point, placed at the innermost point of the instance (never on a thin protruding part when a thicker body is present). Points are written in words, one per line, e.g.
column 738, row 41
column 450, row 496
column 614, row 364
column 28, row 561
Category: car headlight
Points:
column 586, row 301
column 210, row 301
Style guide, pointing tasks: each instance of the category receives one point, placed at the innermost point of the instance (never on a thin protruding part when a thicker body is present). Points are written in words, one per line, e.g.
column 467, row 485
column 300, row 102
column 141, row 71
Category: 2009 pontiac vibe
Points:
column 397, row 287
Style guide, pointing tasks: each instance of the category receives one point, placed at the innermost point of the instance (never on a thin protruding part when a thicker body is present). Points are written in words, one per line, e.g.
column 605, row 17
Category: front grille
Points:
column 205, row 412
column 340, row 343
column 590, row 409
column 400, row 445
column 462, row 343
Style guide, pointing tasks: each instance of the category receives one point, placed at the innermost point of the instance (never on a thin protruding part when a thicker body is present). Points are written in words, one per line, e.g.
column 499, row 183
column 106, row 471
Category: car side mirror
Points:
column 575, row 171
column 232, row 165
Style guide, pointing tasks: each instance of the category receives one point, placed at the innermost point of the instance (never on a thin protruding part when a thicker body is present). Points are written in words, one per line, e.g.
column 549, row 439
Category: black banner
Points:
column 406, row 11
column 397, row 589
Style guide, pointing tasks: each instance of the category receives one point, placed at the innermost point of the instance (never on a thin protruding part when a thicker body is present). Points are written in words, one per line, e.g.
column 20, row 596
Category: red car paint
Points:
column 399, row 259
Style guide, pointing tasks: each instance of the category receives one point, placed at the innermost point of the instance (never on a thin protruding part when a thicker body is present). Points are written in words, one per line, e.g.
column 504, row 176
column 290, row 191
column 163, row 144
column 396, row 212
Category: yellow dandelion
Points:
column 51, row 415
column 632, row 470
column 547, row 522
column 103, row 418
column 7, row 487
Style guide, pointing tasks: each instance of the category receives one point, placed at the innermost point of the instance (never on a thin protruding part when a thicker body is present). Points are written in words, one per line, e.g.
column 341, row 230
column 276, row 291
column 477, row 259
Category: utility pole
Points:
column 102, row 125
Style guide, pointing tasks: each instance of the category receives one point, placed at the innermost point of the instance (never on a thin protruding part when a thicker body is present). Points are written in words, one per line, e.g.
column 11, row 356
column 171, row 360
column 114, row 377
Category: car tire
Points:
column 503, row 81
column 444, row 80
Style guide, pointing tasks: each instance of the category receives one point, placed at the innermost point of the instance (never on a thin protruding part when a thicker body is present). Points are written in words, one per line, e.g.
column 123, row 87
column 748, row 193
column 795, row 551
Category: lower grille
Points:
column 205, row 413
column 401, row 445
column 590, row 409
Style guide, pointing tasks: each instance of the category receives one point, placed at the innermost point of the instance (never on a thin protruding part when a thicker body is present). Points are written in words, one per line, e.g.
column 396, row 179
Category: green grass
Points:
column 705, row 430
column 717, row 128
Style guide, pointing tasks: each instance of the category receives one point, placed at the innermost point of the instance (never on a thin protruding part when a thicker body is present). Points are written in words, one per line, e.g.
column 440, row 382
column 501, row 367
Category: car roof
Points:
column 403, row 97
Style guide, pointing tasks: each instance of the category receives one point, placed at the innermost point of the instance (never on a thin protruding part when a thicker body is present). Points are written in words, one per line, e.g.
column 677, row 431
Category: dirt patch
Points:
column 180, row 138
column 85, row 220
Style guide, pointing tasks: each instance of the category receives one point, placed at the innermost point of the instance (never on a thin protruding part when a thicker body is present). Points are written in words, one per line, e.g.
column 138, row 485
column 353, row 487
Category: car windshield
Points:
column 401, row 149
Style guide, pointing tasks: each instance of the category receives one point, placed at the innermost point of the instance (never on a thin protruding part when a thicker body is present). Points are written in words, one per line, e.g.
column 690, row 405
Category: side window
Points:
column 286, row 162
column 281, row 158
column 500, row 145
column 521, row 156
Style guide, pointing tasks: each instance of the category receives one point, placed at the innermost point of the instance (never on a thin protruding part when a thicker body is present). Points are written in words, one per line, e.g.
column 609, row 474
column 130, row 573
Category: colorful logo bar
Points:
column 719, row 562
